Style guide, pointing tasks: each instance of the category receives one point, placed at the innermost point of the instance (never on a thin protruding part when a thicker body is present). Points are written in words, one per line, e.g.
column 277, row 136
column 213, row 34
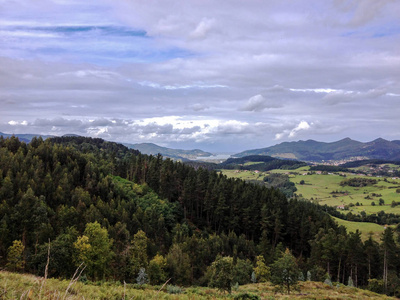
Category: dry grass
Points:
column 24, row 286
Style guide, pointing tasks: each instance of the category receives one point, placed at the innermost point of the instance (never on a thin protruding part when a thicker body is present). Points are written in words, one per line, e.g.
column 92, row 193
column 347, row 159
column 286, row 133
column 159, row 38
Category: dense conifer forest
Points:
column 128, row 216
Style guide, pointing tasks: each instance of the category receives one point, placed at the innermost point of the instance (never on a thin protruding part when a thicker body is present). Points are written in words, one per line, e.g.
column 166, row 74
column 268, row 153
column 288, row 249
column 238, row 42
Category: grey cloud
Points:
column 58, row 122
column 199, row 107
column 190, row 130
column 101, row 122
column 341, row 96
column 258, row 103
column 234, row 127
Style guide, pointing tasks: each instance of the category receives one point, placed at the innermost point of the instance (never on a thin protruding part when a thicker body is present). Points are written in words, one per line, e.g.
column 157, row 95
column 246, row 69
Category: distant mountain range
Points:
column 309, row 150
column 145, row 148
column 344, row 149
column 25, row 137
column 149, row 148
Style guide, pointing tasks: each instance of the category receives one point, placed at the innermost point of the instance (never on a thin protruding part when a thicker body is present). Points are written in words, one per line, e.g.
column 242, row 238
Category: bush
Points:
column 173, row 289
column 376, row 285
column 223, row 273
column 246, row 296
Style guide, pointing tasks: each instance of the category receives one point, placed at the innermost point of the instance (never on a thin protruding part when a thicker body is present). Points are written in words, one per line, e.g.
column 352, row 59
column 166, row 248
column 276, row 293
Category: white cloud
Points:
column 258, row 103
column 291, row 133
column 16, row 123
column 202, row 28
column 303, row 125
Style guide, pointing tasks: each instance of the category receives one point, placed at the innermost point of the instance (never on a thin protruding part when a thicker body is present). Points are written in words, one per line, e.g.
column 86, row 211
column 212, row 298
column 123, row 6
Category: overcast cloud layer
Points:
column 216, row 75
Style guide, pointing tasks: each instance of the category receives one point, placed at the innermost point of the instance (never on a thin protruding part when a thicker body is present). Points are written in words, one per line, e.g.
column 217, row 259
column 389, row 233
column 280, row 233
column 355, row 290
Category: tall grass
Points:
column 24, row 286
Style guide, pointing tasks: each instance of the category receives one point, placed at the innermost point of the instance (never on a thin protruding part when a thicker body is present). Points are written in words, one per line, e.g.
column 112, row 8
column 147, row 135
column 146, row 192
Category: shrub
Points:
column 246, row 296
column 376, row 285
column 173, row 289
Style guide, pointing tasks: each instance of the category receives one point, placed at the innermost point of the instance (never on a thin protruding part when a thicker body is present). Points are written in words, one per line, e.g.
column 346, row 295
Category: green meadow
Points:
column 326, row 189
column 365, row 228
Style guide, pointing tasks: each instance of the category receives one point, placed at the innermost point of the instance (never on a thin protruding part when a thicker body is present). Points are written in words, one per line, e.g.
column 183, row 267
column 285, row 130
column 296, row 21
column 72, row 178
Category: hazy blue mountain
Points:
column 347, row 148
column 150, row 148
column 25, row 137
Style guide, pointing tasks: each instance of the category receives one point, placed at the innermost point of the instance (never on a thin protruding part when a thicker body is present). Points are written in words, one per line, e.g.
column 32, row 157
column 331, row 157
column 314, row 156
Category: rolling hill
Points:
column 347, row 148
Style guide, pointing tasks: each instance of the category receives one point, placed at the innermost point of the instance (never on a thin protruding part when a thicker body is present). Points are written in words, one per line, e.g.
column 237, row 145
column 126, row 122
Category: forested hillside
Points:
column 119, row 211
column 261, row 163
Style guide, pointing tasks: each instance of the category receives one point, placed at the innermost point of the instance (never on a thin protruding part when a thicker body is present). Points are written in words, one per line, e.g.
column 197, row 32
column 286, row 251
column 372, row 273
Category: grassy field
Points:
column 21, row 286
column 364, row 227
column 245, row 175
column 323, row 188
column 326, row 189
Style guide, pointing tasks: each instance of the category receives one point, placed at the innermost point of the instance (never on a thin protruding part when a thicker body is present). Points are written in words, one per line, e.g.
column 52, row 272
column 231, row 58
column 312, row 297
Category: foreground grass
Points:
column 23, row 286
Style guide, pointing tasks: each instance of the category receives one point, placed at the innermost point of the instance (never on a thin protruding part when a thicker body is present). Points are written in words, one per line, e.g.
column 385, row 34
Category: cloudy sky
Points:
column 215, row 75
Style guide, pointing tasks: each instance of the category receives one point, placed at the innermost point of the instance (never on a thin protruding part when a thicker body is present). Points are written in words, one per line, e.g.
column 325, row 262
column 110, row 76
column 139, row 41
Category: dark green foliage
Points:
column 246, row 296
column 358, row 182
column 227, row 271
column 328, row 168
column 285, row 272
column 264, row 163
column 222, row 273
column 359, row 163
column 282, row 182
column 178, row 264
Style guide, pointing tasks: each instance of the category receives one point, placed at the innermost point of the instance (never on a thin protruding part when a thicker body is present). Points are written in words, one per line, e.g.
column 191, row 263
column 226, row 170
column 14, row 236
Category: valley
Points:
column 326, row 188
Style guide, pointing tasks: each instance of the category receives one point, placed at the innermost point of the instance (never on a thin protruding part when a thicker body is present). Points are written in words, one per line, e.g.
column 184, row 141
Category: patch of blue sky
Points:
column 102, row 45
column 136, row 56
column 373, row 31
column 384, row 32
column 107, row 56
column 72, row 30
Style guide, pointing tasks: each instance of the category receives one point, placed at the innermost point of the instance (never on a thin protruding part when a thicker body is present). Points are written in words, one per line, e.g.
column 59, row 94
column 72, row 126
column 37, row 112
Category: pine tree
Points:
column 261, row 270
column 15, row 257
column 285, row 272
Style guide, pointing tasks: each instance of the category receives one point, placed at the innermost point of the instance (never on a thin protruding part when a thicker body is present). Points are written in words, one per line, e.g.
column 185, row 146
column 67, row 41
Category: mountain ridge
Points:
column 154, row 149
column 311, row 150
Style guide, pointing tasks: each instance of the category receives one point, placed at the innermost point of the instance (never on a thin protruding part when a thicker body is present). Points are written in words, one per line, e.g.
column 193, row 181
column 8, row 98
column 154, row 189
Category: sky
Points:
column 221, row 76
